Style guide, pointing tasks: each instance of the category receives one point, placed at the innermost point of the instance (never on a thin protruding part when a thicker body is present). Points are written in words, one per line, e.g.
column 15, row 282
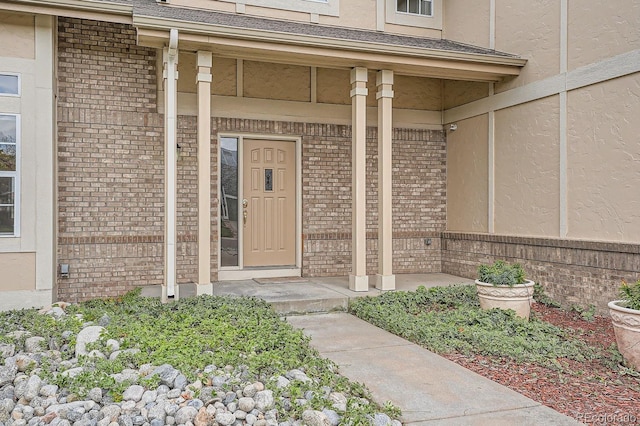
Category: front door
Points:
column 268, row 205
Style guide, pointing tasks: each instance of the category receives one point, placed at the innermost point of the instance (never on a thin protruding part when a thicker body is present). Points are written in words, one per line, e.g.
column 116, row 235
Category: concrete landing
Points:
column 312, row 295
column 429, row 389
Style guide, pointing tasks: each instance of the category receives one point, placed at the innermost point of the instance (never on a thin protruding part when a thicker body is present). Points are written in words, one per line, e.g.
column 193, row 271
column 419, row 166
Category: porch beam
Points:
column 203, row 82
column 358, row 279
column 385, row 280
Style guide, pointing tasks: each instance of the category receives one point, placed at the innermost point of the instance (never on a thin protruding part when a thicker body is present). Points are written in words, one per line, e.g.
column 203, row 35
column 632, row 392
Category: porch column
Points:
column 385, row 280
column 203, row 81
column 358, row 280
column 170, row 77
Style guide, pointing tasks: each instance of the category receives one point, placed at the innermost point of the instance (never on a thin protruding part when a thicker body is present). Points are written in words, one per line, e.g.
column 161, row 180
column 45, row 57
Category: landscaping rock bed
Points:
column 150, row 395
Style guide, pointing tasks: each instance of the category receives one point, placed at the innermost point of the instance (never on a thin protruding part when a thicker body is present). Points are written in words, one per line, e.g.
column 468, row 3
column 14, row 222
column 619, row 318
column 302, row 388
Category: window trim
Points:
column 14, row 74
column 16, row 180
column 419, row 5
column 433, row 21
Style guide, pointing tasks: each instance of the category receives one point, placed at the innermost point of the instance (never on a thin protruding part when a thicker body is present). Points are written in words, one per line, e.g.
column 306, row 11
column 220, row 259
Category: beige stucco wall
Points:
column 17, row 35
column 28, row 257
column 224, row 77
column 531, row 30
column 467, row 176
column 277, row 81
column 223, row 71
column 333, row 86
column 600, row 30
column 467, row 21
column 604, row 161
column 417, row 93
column 18, row 271
column 354, row 14
column 456, row 93
column 527, row 169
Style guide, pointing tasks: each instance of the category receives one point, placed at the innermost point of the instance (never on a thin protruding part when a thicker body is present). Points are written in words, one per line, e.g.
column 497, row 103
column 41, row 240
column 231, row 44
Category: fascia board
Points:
column 323, row 42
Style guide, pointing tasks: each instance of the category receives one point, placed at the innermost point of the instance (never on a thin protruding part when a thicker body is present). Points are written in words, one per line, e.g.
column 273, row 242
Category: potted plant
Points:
column 503, row 285
column 625, row 315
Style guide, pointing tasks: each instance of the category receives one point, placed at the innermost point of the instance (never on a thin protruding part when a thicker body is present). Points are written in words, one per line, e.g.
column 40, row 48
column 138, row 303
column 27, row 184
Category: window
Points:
column 416, row 7
column 229, row 201
column 9, row 85
column 9, row 150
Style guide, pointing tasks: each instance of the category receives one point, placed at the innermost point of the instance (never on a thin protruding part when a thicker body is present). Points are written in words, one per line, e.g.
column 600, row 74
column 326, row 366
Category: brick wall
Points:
column 110, row 161
column 573, row 272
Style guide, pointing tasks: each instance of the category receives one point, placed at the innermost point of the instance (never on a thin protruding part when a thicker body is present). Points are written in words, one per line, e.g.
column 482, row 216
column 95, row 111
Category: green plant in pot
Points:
column 625, row 315
column 504, row 285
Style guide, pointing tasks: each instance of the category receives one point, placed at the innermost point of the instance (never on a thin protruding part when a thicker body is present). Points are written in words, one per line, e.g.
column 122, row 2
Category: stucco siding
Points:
column 527, row 168
column 277, row 81
column 417, row 93
column 604, row 161
column 467, row 177
column 600, row 30
column 18, row 271
column 467, row 21
column 333, row 86
column 532, row 31
column 456, row 92
column 17, row 35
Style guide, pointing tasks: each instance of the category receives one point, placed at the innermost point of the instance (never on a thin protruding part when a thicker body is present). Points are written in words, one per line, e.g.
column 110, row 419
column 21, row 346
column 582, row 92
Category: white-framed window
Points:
column 9, row 84
column 414, row 13
column 9, row 175
column 415, row 7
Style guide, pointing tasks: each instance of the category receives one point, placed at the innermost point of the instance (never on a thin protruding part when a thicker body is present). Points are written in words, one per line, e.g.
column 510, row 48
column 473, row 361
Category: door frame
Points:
column 229, row 273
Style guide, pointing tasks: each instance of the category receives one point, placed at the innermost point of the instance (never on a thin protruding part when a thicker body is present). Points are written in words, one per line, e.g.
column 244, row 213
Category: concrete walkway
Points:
column 429, row 389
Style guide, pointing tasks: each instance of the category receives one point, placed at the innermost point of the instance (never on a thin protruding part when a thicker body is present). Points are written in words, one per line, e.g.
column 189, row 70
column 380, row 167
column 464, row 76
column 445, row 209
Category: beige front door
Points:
column 269, row 206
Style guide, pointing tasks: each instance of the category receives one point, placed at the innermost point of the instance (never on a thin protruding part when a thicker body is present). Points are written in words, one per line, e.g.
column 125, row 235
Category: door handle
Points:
column 245, row 203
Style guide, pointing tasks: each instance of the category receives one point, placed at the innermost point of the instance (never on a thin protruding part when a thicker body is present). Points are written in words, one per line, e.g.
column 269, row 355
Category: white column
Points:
column 170, row 74
column 358, row 280
column 203, row 82
column 385, row 280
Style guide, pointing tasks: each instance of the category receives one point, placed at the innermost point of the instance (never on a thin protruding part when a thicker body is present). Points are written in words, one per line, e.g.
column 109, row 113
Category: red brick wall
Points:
column 110, row 161
column 573, row 272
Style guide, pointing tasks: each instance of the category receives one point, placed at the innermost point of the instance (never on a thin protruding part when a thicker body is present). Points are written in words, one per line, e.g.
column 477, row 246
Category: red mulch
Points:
column 590, row 392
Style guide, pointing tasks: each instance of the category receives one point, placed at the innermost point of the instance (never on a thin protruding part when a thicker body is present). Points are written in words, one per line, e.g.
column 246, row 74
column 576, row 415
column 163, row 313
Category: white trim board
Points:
column 608, row 69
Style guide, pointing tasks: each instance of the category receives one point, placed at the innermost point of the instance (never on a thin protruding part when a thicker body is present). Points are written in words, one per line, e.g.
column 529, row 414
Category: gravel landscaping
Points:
column 219, row 362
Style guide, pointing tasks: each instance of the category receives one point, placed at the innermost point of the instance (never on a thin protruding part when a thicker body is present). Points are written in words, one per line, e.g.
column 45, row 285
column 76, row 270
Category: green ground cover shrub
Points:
column 449, row 319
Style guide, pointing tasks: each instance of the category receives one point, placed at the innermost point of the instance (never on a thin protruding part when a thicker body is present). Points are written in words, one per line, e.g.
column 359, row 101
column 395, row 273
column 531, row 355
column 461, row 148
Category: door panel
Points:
column 269, row 187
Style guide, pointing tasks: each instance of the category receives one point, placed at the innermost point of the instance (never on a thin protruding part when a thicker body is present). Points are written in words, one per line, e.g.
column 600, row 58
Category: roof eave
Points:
column 334, row 52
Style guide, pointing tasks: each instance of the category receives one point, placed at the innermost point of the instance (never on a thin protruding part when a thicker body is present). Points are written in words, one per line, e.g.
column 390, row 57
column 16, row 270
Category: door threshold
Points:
column 249, row 274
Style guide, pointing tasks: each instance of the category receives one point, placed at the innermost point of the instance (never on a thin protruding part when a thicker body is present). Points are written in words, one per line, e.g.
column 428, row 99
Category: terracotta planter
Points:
column 626, row 324
column 519, row 297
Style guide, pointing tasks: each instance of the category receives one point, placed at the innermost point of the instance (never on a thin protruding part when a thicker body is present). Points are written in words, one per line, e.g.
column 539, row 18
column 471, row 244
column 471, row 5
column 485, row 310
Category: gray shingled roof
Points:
column 151, row 8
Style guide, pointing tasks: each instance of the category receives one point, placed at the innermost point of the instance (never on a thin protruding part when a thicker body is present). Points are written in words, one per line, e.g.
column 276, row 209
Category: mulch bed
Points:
column 590, row 392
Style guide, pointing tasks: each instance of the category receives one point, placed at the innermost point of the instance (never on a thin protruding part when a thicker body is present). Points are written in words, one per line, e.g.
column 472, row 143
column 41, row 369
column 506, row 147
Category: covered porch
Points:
column 370, row 111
